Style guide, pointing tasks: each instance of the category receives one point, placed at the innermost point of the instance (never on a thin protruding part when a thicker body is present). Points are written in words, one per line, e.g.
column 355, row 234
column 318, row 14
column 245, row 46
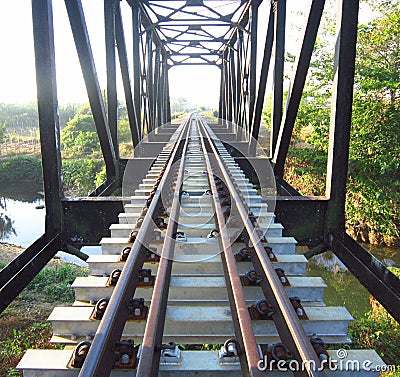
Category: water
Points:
column 22, row 222
column 22, row 219
column 343, row 287
column 21, row 214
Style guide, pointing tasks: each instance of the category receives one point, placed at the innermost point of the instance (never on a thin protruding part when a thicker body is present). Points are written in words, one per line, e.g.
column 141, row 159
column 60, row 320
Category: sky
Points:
column 200, row 85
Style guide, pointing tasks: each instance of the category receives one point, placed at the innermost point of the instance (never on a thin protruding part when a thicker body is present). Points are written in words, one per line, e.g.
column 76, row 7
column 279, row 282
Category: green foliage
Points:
column 54, row 284
column 21, row 168
column 79, row 137
column 306, row 170
column 179, row 105
column 378, row 63
column 378, row 330
column 79, row 175
column 24, row 117
column 6, row 226
column 2, row 132
column 22, row 326
column 124, row 131
column 13, row 348
column 101, row 177
column 19, row 116
column 374, row 166
column 67, row 112
column 374, row 169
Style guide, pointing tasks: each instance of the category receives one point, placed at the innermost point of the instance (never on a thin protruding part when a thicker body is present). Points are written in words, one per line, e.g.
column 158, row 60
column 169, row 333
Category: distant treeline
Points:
column 20, row 117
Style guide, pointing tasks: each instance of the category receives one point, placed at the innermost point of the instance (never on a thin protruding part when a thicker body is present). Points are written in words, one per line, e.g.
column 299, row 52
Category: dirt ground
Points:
column 20, row 314
column 9, row 252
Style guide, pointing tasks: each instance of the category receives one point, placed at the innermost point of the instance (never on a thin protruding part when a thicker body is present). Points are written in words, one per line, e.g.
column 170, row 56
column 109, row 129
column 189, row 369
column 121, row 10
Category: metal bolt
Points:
column 125, row 359
column 323, row 357
column 300, row 312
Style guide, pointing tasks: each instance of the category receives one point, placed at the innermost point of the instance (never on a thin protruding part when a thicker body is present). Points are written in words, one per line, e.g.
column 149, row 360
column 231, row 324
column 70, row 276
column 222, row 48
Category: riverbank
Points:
column 23, row 324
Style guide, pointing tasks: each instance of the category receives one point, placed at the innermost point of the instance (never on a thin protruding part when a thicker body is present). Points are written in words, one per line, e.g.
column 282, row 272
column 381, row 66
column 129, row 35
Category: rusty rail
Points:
column 287, row 323
column 149, row 361
column 100, row 358
column 241, row 318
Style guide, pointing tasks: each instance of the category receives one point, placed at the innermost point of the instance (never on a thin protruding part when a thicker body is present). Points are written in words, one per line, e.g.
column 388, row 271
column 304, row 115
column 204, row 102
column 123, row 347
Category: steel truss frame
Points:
column 197, row 32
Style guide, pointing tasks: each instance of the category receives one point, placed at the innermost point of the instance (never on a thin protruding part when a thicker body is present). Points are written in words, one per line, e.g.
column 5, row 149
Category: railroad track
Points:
column 226, row 277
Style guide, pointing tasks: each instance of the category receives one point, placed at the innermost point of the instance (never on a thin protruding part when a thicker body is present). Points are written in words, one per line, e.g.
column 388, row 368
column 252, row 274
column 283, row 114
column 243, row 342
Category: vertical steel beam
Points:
column 253, row 61
column 157, row 86
column 149, row 80
column 234, row 83
column 300, row 74
column 229, row 90
column 82, row 43
column 269, row 40
column 168, row 102
column 161, row 92
column 222, row 92
column 342, row 99
column 279, row 51
column 220, row 107
column 165, row 88
column 137, row 81
column 112, row 100
column 49, row 126
column 224, row 103
column 123, row 62
column 239, row 79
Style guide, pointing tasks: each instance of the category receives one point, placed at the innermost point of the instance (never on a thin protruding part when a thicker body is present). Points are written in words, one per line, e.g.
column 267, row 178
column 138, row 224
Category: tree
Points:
column 67, row 113
column 374, row 166
column 124, row 131
column 375, row 141
column 79, row 136
column 378, row 63
column 2, row 132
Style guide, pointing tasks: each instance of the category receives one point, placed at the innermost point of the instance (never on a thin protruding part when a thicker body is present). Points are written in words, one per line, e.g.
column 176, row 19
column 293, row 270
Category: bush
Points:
column 79, row 176
column 13, row 348
column 79, row 137
column 378, row 330
column 54, row 284
column 21, row 168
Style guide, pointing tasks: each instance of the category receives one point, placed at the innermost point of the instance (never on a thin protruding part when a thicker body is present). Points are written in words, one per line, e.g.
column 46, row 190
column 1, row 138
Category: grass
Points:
column 379, row 330
column 54, row 284
column 13, row 348
column 23, row 324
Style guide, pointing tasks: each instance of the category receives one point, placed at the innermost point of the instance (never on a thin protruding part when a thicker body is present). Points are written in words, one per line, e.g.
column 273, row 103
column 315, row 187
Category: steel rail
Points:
column 100, row 358
column 287, row 323
column 149, row 361
column 250, row 358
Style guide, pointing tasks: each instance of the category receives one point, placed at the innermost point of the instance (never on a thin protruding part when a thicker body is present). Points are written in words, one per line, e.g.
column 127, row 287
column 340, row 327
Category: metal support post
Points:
column 342, row 100
column 279, row 51
column 296, row 90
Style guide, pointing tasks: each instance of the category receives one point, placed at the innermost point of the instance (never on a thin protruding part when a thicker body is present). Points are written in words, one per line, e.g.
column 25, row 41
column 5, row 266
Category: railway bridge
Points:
column 199, row 247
